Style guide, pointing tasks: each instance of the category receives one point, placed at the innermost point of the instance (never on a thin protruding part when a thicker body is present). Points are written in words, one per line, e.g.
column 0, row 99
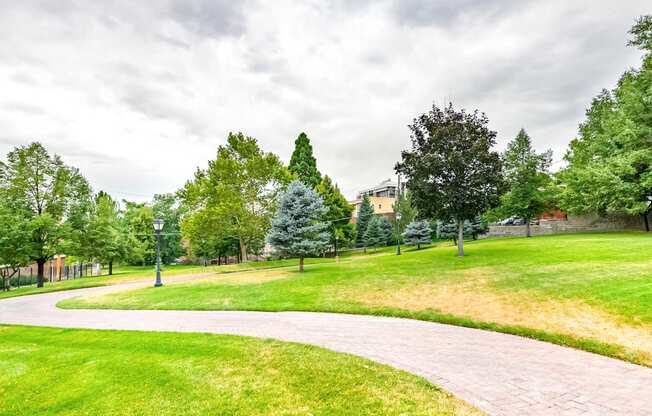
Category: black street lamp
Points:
column 337, row 258
column 158, row 226
column 398, row 234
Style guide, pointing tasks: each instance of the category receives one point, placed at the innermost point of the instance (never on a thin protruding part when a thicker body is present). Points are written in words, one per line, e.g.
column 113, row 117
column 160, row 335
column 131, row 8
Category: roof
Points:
column 384, row 184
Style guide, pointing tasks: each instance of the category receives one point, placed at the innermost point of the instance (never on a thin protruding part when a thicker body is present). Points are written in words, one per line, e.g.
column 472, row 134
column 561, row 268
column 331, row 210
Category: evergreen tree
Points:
column 387, row 230
column 374, row 235
column 528, row 181
column 298, row 230
column 418, row 232
column 338, row 212
column 303, row 164
column 365, row 214
column 472, row 229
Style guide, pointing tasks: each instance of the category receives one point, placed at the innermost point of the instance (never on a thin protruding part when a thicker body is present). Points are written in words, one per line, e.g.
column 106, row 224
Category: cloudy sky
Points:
column 139, row 94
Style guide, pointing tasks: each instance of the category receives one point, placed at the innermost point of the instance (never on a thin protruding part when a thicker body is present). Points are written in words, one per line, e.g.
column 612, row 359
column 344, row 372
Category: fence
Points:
column 27, row 276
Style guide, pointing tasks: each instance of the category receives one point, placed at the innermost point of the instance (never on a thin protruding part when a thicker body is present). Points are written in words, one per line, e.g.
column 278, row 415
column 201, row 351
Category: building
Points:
column 382, row 198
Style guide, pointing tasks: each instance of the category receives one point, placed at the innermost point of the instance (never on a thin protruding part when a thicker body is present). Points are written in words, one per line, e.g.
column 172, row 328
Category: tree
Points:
column 338, row 212
column 418, row 232
column 236, row 195
column 526, row 175
column 298, row 230
column 365, row 214
column 165, row 206
column 473, row 229
column 610, row 162
column 138, row 222
column 451, row 170
column 387, row 230
column 303, row 164
column 53, row 199
column 14, row 244
column 105, row 239
column 403, row 205
column 373, row 235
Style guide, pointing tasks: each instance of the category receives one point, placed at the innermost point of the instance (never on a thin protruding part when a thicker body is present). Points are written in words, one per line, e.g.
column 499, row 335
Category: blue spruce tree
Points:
column 297, row 229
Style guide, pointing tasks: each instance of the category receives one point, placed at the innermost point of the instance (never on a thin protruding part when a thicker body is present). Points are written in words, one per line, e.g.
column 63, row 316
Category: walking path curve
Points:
column 499, row 373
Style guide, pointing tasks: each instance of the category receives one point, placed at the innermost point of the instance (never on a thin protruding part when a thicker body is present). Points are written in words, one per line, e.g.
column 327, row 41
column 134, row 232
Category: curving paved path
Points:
column 500, row 374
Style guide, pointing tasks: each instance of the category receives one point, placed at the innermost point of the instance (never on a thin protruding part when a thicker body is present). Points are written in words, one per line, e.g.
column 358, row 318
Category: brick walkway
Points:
column 501, row 374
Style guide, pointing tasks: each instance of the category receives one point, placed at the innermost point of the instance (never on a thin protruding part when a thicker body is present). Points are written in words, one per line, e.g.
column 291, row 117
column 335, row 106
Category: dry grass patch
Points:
column 473, row 297
column 246, row 278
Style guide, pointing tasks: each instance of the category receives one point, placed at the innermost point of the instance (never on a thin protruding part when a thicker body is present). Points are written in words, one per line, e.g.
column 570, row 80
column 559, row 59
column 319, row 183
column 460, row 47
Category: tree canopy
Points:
column 527, row 179
column 338, row 212
column 610, row 162
column 297, row 229
column 451, row 170
column 52, row 199
column 303, row 164
column 236, row 195
column 418, row 232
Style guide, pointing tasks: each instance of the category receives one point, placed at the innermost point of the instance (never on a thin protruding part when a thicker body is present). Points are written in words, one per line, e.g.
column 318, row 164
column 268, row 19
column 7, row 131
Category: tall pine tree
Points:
column 365, row 213
column 303, row 164
column 373, row 235
column 298, row 230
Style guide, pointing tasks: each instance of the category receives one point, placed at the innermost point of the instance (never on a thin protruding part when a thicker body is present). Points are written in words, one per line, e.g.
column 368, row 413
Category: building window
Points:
column 380, row 206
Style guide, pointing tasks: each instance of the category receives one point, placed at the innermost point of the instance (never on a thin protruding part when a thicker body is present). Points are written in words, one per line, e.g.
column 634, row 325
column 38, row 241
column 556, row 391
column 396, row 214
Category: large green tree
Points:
column 167, row 208
column 106, row 239
column 451, row 170
column 338, row 212
column 403, row 205
column 138, row 220
column 236, row 195
column 52, row 198
column 303, row 164
column 527, row 178
column 610, row 162
column 15, row 240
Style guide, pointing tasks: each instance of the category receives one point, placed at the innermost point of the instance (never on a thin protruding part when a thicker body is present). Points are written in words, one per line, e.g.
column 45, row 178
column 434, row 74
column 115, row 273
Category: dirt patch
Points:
column 476, row 300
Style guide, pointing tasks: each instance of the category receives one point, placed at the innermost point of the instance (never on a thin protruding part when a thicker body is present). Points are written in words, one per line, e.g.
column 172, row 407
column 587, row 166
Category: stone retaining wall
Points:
column 574, row 224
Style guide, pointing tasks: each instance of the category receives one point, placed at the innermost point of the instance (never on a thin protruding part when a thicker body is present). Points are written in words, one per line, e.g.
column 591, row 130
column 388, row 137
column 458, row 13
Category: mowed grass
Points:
column 590, row 291
column 46, row 371
column 123, row 274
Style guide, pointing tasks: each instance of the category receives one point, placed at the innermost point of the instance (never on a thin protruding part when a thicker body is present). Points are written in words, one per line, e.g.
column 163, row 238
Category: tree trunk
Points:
column 528, row 232
column 301, row 264
column 40, row 273
column 110, row 267
column 418, row 246
column 243, row 251
column 460, row 238
column 647, row 223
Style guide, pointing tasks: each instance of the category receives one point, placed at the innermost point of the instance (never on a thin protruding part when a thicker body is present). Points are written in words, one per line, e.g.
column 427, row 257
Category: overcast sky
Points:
column 139, row 94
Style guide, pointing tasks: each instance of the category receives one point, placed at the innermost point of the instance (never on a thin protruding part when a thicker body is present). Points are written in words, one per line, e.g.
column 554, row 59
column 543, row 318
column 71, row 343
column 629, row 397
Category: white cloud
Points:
column 139, row 94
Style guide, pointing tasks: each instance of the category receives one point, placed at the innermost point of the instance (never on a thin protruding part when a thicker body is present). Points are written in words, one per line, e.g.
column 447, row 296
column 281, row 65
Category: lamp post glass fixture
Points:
column 398, row 234
column 158, row 226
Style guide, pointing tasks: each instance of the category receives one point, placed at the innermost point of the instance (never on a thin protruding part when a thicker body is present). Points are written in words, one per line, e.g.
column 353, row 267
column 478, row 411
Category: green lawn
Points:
column 45, row 371
column 589, row 291
column 140, row 273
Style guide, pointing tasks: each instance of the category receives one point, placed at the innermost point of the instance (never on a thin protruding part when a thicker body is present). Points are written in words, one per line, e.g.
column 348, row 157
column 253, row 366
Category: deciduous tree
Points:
column 610, row 162
column 338, row 212
column 451, row 170
column 52, row 198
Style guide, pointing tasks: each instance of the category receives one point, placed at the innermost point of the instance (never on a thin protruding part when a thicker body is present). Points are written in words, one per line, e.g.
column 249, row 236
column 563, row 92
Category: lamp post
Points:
column 398, row 234
column 337, row 258
column 158, row 226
